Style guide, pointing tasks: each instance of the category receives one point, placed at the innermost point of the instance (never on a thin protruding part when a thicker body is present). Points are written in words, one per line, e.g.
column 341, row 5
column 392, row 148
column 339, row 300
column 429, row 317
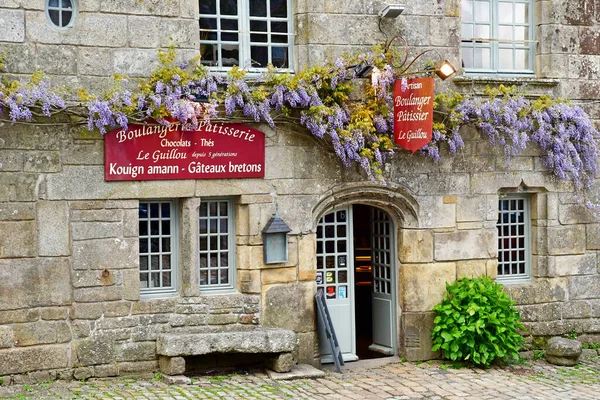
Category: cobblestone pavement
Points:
column 393, row 381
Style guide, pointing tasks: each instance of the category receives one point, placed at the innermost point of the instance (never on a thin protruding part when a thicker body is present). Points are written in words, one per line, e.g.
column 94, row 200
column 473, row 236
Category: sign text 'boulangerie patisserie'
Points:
column 151, row 152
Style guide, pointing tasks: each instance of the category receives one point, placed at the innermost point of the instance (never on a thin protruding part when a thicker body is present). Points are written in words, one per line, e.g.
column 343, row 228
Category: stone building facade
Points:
column 70, row 301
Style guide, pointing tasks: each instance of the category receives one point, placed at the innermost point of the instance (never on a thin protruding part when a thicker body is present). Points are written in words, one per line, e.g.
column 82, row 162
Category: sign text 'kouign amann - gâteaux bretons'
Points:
column 413, row 112
column 149, row 152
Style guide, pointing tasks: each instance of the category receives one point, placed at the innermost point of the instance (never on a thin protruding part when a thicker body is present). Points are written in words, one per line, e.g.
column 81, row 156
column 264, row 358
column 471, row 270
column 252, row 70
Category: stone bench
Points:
column 173, row 347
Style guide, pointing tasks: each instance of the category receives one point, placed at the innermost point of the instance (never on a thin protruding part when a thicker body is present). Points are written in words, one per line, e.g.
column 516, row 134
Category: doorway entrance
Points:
column 356, row 271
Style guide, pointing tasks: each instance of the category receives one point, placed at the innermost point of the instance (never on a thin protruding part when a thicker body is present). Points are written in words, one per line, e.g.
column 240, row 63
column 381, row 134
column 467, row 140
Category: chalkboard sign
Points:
column 325, row 319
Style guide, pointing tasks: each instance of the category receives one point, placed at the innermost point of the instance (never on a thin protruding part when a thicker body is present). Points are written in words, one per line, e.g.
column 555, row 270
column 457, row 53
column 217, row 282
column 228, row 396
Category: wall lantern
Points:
column 391, row 11
column 445, row 70
column 275, row 240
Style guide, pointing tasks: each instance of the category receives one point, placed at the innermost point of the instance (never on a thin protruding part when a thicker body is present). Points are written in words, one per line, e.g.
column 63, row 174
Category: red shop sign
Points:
column 413, row 112
column 150, row 152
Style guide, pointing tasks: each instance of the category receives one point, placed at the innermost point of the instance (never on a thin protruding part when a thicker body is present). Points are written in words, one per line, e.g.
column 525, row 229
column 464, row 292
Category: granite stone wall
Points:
column 69, row 284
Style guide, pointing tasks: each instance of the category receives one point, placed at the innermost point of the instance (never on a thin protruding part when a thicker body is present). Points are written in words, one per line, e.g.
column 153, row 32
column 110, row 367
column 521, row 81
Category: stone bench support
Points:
column 173, row 347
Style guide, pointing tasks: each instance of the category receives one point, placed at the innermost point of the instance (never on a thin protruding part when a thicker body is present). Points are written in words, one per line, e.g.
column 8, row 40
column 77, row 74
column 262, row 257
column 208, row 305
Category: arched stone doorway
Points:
column 357, row 267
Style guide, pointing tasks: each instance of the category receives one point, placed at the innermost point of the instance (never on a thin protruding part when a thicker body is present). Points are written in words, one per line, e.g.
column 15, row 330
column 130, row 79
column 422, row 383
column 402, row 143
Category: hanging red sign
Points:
column 151, row 152
column 413, row 112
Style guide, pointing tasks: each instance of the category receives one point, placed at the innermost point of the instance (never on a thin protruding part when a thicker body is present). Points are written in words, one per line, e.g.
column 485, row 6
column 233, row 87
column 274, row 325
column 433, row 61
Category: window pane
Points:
column 165, row 210
column 482, row 11
column 505, row 13
column 166, row 245
column 223, row 225
column 522, row 59
column 203, row 277
column 143, row 228
column 258, row 8
column 208, row 7
column 482, row 31
column 467, row 31
column 279, row 57
column 223, row 211
column 482, row 58
column 521, row 13
column 53, row 3
column 230, row 55
column 467, row 10
column 505, row 32
column 521, row 33
column 143, row 280
column 143, row 245
column 154, row 262
column 154, row 243
column 203, row 226
column 224, row 276
column 279, row 8
column 505, row 58
column 166, row 228
column 467, row 57
column 154, row 228
column 144, row 263
column 154, row 210
column 166, row 262
column 203, row 243
column 66, row 18
column 54, row 17
column 228, row 7
column 224, row 243
column 166, row 278
column 259, row 56
column 213, row 209
column 214, row 277
column 203, row 210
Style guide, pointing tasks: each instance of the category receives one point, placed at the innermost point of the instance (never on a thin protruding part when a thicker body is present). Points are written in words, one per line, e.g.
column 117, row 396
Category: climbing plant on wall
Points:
column 319, row 98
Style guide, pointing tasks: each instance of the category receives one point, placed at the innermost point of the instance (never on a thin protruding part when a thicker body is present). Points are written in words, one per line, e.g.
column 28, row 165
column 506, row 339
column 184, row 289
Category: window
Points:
column 497, row 36
column 216, row 244
column 60, row 13
column 514, row 238
column 248, row 33
column 158, row 244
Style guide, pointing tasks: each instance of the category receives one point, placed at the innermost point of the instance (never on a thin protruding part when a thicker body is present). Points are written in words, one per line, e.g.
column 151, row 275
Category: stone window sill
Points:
column 533, row 86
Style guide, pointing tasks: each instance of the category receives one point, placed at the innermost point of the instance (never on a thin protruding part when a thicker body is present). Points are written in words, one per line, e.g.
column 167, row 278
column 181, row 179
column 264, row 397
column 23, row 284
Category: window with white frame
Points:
column 158, row 247
column 247, row 33
column 216, row 245
column 61, row 13
column 514, row 238
column 498, row 36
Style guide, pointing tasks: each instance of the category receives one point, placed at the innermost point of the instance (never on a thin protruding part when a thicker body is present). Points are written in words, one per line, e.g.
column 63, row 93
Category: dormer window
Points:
column 60, row 13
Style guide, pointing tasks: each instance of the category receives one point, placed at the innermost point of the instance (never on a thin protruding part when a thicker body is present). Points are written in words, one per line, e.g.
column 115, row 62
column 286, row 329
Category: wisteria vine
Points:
column 318, row 98
column 510, row 121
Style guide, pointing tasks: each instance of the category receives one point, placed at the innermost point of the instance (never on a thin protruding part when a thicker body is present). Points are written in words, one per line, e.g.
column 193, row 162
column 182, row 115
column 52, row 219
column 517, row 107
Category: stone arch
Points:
column 396, row 200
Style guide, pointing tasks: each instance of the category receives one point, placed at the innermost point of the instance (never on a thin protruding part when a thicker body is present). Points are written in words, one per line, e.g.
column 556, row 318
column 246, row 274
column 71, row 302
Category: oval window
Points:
column 60, row 13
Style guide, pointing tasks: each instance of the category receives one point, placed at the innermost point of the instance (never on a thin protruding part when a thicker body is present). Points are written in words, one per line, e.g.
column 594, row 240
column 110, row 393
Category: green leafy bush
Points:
column 477, row 323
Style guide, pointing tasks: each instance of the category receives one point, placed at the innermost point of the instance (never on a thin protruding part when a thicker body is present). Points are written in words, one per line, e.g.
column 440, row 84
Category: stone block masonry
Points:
column 70, row 298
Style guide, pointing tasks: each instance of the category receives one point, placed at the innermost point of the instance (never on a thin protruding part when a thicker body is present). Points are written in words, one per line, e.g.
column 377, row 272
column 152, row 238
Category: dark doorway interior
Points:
column 363, row 280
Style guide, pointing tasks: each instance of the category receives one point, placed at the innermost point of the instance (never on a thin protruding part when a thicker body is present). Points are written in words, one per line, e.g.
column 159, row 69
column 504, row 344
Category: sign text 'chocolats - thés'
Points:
column 149, row 152
column 413, row 112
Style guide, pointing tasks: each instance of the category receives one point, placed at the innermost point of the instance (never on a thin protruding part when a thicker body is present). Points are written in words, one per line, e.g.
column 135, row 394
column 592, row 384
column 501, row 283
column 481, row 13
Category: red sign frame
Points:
column 413, row 112
column 153, row 152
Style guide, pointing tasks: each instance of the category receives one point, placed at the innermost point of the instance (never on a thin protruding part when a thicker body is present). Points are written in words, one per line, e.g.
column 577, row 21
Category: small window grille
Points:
column 158, row 255
column 61, row 13
column 216, row 244
column 514, row 238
